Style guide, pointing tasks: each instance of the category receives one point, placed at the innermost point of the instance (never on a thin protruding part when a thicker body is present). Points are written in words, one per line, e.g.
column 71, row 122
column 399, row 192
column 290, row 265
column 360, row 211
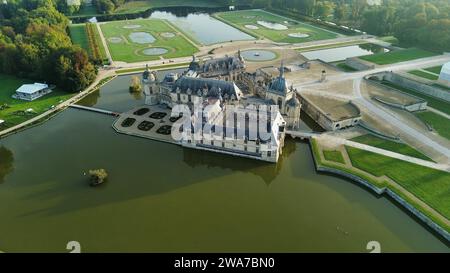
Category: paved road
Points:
column 105, row 45
column 431, row 61
column 397, row 121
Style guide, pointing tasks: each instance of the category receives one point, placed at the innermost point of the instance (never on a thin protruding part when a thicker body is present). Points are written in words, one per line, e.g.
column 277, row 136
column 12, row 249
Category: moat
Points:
column 161, row 197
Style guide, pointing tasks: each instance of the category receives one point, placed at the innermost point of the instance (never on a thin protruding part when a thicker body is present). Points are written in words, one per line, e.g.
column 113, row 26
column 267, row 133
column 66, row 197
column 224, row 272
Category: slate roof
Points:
column 215, row 88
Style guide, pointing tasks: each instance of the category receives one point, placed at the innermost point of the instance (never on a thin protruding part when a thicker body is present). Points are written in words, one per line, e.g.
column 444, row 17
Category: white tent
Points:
column 444, row 77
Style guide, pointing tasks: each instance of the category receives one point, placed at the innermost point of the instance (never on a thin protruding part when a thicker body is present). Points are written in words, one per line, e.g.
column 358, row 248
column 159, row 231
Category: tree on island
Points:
column 135, row 85
column 98, row 176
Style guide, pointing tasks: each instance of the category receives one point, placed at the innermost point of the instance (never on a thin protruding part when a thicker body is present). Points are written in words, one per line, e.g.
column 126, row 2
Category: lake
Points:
column 342, row 53
column 162, row 197
column 202, row 27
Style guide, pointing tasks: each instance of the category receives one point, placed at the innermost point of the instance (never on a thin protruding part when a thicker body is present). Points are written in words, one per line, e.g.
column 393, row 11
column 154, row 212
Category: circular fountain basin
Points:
column 258, row 55
column 154, row 51
column 270, row 25
column 298, row 35
column 115, row 40
column 131, row 26
column 141, row 38
column 251, row 27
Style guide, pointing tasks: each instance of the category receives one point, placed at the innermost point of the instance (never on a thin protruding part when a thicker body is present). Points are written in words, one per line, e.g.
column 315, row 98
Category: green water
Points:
column 162, row 197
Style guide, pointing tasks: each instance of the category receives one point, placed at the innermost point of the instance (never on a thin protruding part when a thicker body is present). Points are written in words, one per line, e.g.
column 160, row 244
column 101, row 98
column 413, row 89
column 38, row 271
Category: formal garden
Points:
column 145, row 40
column 261, row 23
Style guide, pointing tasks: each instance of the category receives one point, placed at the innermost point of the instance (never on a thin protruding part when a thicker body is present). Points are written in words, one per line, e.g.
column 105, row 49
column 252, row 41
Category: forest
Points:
column 422, row 23
column 34, row 44
column 419, row 23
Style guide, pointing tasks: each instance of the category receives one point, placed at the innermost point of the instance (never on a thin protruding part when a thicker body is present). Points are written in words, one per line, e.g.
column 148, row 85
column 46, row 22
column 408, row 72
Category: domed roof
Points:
column 293, row 102
column 147, row 75
column 279, row 84
column 171, row 77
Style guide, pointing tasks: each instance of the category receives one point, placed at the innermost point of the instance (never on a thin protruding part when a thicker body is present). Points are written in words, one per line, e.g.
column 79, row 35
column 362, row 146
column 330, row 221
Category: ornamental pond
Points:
column 342, row 53
column 162, row 197
column 204, row 28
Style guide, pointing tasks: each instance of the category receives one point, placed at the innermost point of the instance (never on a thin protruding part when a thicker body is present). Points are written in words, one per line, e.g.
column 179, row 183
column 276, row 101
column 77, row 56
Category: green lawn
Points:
column 139, row 6
column 438, row 122
column 397, row 56
column 424, row 75
column 8, row 86
column 438, row 104
column 435, row 69
column 335, row 156
column 431, row 186
column 392, row 146
column 128, row 51
column 79, row 37
column 251, row 17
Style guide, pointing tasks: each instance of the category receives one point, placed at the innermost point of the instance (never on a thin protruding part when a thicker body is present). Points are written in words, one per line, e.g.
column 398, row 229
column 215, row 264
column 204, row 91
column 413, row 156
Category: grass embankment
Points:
column 438, row 104
column 16, row 112
column 424, row 75
column 397, row 56
column 127, row 50
column 240, row 19
column 335, row 156
column 429, row 185
column 438, row 122
column 78, row 35
column 392, row 146
column 434, row 69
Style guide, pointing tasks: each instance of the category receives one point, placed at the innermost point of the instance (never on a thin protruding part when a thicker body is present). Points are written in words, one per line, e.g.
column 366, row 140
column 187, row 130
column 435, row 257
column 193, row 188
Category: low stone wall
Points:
column 419, row 106
column 378, row 133
column 417, row 86
column 425, row 219
column 358, row 64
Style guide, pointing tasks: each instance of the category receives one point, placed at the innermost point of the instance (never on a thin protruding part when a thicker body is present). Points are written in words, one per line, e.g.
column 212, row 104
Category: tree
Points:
column 307, row 6
column 98, row 176
column 323, row 9
column 379, row 21
column 105, row 6
column 135, row 85
column 357, row 7
column 71, row 69
column 34, row 44
column 340, row 11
